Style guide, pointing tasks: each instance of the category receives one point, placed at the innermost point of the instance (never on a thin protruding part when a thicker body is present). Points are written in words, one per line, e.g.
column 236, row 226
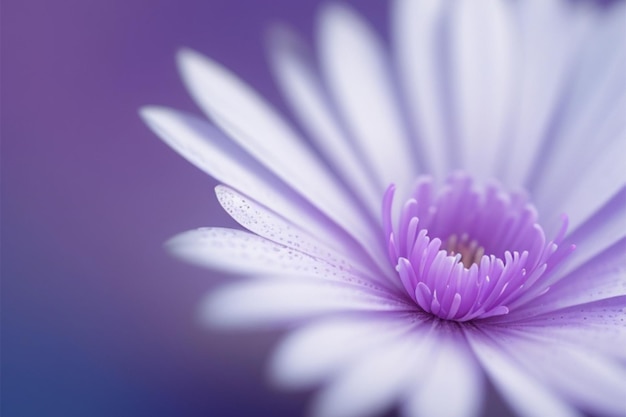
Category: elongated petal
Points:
column 452, row 385
column 591, row 381
column 271, row 302
column 602, row 178
column 210, row 150
column 271, row 226
column 550, row 38
column 597, row 87
column 245, row 253
column 302, row 88
column 604, row 229
column 604, row 276
column 322, row 349
column 586, row 378
column 262, row 221
column 598, row 325
column 258, row 129
column 356, row 68
column 419, row 49
column 483, row 73
column 392, row 365
column 594, row 96
column 604, row 313
column 528, row 396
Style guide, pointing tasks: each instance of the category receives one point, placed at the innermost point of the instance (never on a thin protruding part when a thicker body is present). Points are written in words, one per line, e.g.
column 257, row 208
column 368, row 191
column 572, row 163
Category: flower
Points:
column 485, row 122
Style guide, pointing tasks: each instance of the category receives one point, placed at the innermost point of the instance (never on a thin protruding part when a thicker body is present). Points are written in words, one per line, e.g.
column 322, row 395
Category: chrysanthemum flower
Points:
column 455, row 213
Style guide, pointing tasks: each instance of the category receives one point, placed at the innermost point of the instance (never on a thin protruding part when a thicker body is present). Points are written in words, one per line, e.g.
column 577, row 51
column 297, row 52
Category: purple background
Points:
column 97, row 320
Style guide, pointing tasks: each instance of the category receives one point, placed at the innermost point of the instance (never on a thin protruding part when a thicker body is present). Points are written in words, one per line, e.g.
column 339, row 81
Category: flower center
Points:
column 465, row 253
column 470, row 252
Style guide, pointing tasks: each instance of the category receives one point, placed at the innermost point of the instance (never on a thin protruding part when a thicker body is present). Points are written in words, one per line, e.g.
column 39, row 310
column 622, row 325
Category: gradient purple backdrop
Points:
column 97, row 320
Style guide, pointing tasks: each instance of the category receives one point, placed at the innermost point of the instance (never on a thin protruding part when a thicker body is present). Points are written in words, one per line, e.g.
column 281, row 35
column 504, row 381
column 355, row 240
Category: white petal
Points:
column 597, row 325
column 418, row 45
column 590, row 380
column 551, row 34
column 274, row 301
column 452, row 386
column 604, row 314
column 483, row 69
column 258, row 129
column 595, row 97
column 324, row 348
column 302, row 88
column 528, row 396
column 599, row 81
column 245, row 253
column 599, row 233
column 210, row 150
column 264, row 222
column 356, row 68
column 604, row 276
column 587, row 379
column 600, row 179
column 375, row 380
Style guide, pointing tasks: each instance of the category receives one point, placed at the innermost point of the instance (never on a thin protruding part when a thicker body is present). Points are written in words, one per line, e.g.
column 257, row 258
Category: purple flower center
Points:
column 464, row 252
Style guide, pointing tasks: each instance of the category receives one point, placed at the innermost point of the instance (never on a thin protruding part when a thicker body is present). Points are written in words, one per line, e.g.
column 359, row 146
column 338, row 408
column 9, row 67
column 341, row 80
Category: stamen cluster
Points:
column 465, row 253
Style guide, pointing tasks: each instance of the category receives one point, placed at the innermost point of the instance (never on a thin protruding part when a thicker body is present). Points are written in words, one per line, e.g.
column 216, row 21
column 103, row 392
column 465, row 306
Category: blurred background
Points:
column 97, row 319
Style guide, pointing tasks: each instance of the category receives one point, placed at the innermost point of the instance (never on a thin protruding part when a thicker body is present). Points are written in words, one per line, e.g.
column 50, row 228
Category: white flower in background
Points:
column 491, row 119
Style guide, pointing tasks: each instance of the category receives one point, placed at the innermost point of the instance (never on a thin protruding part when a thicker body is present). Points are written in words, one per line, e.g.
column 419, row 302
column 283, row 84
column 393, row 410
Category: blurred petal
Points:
column 258, row 129
column 452, row 385
column 356, row 68
column 595, row 95
column 269, row 225
column 210, row 150
column 600, row 232
column 529, row 397
column 392, row 365
column 605, row 313
column 587, row 379
column 276, row 302
column 551, row 34
column 417, row 28
column 245, row 253
column 604, row 276
column 320, row 350
column 597, row 325
column 302, row 88
column 604, row 177
column 604, row 230
column 484, row 70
